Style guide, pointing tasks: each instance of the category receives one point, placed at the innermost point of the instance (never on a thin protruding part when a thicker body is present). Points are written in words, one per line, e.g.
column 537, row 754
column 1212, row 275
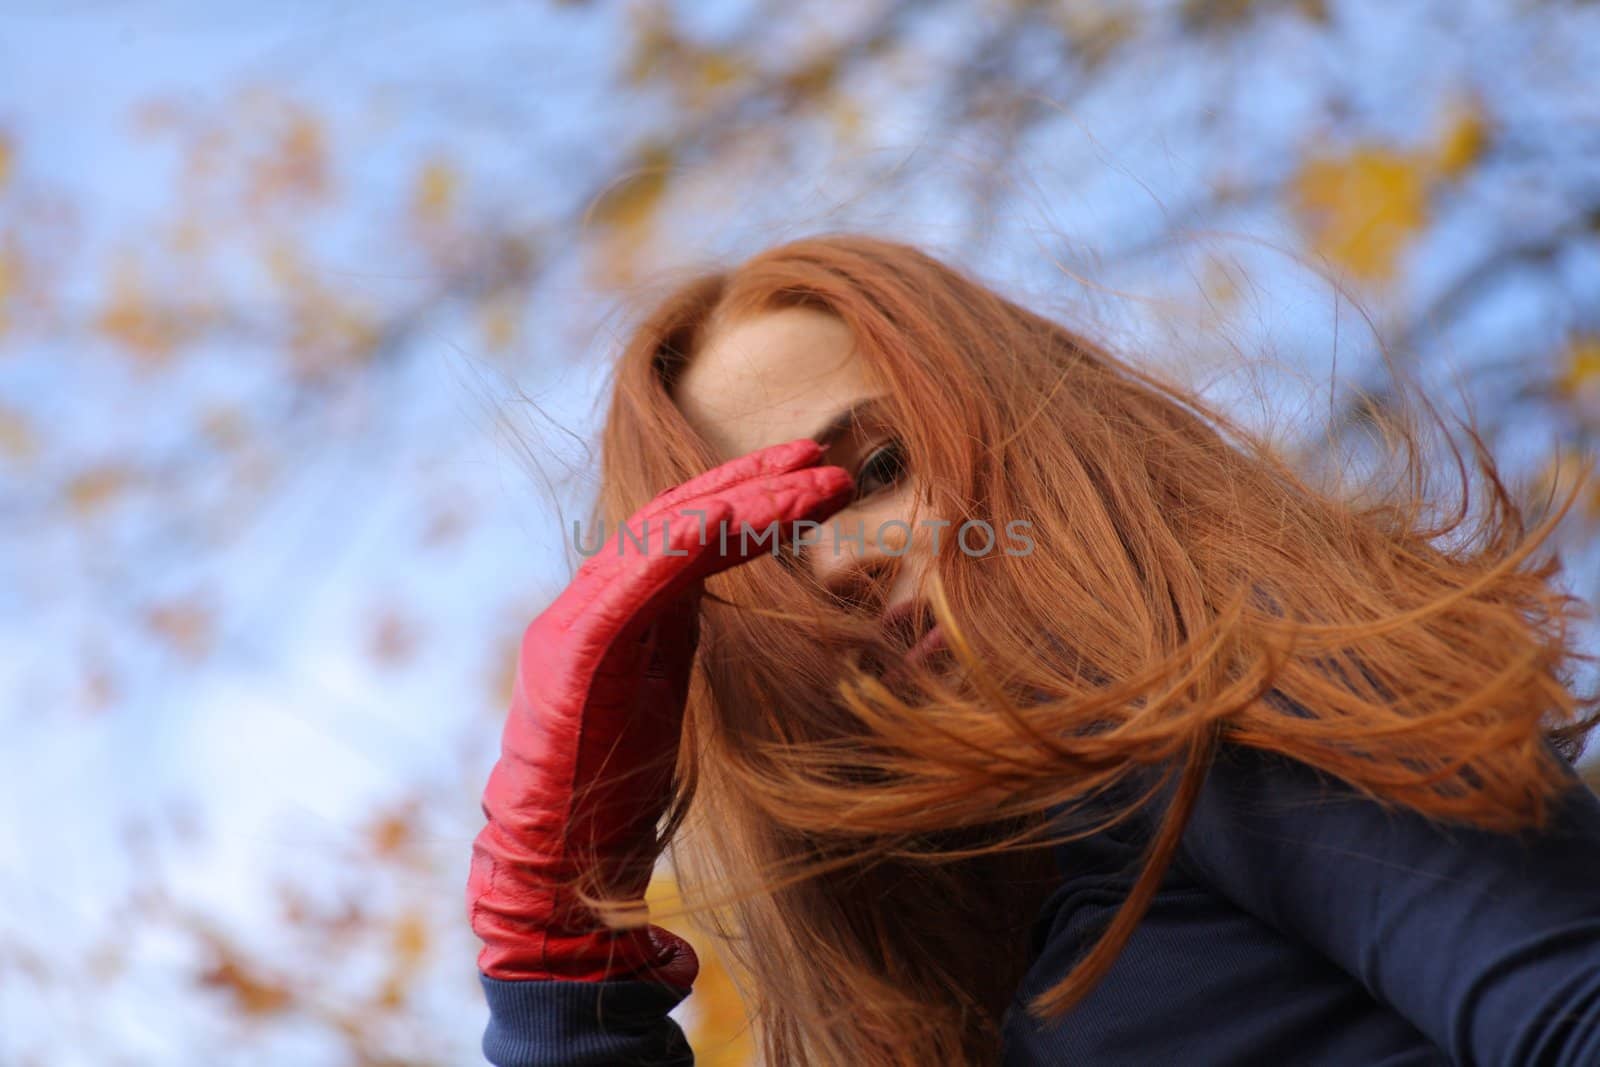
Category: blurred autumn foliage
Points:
column 281, row 294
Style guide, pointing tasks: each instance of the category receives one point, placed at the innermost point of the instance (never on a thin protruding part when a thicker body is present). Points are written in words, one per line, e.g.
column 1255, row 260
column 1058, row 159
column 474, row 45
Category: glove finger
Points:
column 741, row 523
column 810, row 495
column 764, row 462
column 656, row 527
column 628, row 594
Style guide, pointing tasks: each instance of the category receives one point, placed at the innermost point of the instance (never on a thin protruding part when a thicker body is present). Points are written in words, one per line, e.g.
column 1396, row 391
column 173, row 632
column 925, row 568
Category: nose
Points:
column 871, row 575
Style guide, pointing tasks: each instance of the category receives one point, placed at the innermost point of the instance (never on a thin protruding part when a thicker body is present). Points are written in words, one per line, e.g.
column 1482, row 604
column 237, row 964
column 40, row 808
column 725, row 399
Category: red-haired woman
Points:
column 1000, row 703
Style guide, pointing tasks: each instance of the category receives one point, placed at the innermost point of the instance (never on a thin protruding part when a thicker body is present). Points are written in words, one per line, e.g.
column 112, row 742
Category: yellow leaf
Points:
column 434, row 192
column 392, row 993
column 847, row 116
column 1094, row 31
column 131, row 318
column 1219, row 280
column 720, row 1034
column 630, row 204
column 500, row 322
column 655, row 47
column 1361, row 210
column 283, row 263
column 720, row 1031
column 1461, row 142
column 1580, row 372
column 662, row 892
column 329, row 335
column 1559, row 477
column 716, row 69
column 1578, row 382
column 187, row 236
column 409, row 939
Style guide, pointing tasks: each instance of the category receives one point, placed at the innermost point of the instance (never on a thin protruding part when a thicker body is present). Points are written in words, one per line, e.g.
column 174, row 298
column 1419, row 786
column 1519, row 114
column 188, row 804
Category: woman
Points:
column 1065, row 724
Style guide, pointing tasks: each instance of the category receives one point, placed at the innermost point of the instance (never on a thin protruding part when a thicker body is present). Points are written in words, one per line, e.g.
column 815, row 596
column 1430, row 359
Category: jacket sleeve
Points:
column 549, row 1023
column 1488, row 943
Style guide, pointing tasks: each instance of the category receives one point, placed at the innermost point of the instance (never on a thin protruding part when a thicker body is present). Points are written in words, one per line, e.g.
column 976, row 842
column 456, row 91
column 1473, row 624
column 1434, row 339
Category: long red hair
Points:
column 871, row 850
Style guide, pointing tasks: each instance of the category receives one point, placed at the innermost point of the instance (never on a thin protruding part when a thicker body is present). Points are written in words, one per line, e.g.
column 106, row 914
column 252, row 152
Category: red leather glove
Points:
column 587, row 754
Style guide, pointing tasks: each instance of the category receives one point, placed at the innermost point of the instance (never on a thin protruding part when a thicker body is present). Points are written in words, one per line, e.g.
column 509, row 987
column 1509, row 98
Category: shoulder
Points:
column 1200, row 981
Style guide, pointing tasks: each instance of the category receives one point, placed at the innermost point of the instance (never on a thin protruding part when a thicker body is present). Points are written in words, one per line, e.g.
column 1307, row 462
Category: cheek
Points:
column 897, row 524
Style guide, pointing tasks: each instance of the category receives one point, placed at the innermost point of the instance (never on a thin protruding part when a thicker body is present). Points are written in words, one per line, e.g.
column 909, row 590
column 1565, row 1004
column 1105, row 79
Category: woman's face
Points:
column 795, row 372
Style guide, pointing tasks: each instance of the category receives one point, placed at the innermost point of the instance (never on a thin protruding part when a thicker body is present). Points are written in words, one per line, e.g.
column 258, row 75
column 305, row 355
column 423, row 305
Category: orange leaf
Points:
column 329, row 335
column 253, row 992
column 503, row 675
column 296, row 165
column 131, row 318
column 99, row 689
column 90, row 490
column 1215, row 14
column 1093, row 32
column 186, row 625
column 446, row 522
column 16, row 435
column 11, row 277
column 394, row 639
column 393, row 832
column 815, row 77
column 224, row 427
column 252, row 995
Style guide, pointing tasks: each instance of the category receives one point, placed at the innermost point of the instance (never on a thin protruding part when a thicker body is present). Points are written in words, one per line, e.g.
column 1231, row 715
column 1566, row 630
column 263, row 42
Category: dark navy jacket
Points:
column 1301, row 923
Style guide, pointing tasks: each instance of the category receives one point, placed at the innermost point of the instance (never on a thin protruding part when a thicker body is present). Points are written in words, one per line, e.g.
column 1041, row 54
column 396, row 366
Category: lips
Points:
column 927, row 645
column 912, row 628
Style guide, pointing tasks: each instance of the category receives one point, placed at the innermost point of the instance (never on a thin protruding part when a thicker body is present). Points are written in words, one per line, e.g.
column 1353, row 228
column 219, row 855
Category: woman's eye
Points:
column 883, row 468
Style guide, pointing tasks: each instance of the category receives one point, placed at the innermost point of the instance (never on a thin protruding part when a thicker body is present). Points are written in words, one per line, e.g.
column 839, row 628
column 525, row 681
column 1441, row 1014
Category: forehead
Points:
column 771, row 377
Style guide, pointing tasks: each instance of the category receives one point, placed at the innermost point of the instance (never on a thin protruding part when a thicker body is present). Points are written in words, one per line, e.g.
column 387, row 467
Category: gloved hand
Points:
column 588, row 750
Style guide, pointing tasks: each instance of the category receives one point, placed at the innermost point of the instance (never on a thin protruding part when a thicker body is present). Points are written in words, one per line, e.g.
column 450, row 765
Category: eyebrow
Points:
column 844, row 420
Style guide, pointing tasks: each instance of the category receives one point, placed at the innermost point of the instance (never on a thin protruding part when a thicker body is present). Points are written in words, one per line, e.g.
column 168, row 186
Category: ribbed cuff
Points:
column 549, row 1023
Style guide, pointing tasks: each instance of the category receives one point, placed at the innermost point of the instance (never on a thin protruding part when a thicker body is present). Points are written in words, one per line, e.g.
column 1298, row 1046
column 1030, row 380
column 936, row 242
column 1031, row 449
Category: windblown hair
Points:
column 871, row 848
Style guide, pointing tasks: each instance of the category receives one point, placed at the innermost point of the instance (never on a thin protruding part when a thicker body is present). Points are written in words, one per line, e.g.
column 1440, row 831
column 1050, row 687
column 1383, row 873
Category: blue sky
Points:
column 280, row 746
